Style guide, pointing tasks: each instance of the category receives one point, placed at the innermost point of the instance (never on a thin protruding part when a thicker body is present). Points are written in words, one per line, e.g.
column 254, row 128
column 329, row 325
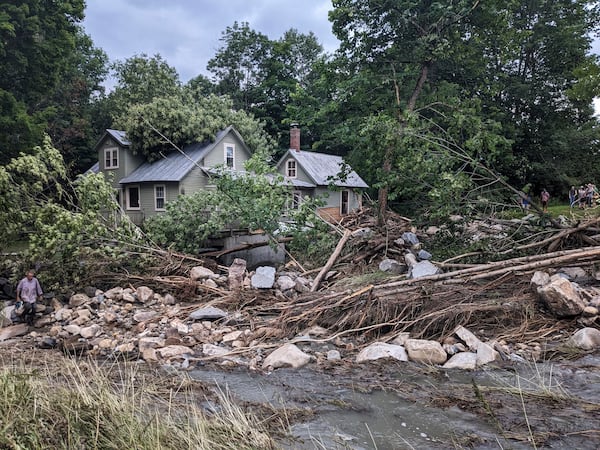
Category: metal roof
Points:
column 175, row 165
column 120, row 137
column 320, row 167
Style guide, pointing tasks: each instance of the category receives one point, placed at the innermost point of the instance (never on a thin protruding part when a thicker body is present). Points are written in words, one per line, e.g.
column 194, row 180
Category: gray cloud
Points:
column 186, row 33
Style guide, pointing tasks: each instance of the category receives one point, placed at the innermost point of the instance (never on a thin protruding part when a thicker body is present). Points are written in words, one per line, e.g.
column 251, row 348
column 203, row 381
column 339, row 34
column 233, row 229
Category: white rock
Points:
column 423, row 269
column 463, row 360
column 540, row 278
column 264, row 278
column 144, row 316
column 115, row 293
column 380, row 350
column 467, row 337
column 233, row 336
column 214, row 350
column 486, row 354
column 333, row 355
column 561, row 297
column 285, row 283
column 287, row 355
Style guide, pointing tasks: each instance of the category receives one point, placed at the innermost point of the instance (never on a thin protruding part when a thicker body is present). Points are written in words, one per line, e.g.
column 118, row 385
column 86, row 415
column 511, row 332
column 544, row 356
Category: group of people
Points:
column 526, row 200
column 583, row 196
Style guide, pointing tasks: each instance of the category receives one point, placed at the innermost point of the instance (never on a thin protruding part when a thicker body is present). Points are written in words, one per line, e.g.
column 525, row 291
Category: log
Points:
column 331, row 260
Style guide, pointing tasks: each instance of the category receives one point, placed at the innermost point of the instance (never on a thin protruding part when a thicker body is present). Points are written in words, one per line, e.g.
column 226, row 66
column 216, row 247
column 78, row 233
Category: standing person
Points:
column 29, row 291
column 572, row 196
column 581, row 194
column 544, row 197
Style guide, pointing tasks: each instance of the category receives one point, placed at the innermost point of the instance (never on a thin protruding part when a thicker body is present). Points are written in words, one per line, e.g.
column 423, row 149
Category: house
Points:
column 313, row 175
column 144, row 188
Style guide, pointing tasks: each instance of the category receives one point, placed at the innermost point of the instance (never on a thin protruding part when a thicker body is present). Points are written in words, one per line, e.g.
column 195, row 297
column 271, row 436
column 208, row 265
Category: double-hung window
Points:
column 159, row 198
column 133, row 197
column 229, row 156
column 291, row 168
column 111, row 158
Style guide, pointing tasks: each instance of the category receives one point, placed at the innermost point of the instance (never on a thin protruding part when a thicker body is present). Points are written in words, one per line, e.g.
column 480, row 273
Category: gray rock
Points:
column 144, row 294
column 392, row 266
column 464, row 360
column 90, row 332
column 574, row 273
column 424, row 269
column 585, row 339
column 539, row 279
column 78, row 300
column 13, row 331
column 209, row 313
column 410, row 238
column 424, row 255
column 333, row 355
column 264, row 278
column 285, row 283
column 201, row 273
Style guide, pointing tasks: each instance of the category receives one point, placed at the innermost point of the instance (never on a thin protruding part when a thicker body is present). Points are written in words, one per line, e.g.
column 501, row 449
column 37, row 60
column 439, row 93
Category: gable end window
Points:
column 111, row 158
column 290, row 168
column 133, row 197
column 159, row 198
column 229, row 156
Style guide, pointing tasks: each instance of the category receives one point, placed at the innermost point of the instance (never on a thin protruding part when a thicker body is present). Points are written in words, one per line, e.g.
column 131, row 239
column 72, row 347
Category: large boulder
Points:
column 424, row 351
column 379, row 350
column 264, row 278
column 561, row 297
column 287, row 355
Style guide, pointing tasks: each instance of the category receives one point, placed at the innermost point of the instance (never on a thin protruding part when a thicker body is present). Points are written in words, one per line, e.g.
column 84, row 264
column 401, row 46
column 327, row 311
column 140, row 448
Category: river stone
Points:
column 150, row 342
column 72, row 329
column 13, row 331
column 540, row 278
column 425, row 351
column 574, row 273
column 144, row 294
column 287, row 355
column 424, row 255
column 392, row 266
column 264, row 278
column 561, row 298
column 586, row 339
column 144, row 316
column 91, row 331
column 208, row 313
column 590, row 311
column 174, row 351
column 201, row 273
column 463, row 360
column 78, row 300
column 467, row 337
column 423, row 269
column 410, row 238
column 236, row 273
column 333, row 355
column 115, row 293
column 168, row 299
column 486, row 354
column 110, row 316
column 6, row 316
column 232, row 336
column 285, row 283
column 380, row 350
column 214, row 350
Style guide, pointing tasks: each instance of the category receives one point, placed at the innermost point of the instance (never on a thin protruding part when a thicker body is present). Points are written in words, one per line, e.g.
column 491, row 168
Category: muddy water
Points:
column 405, row 406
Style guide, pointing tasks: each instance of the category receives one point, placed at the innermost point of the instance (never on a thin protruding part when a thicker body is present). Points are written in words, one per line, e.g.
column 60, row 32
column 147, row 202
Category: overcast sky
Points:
column 186, row 33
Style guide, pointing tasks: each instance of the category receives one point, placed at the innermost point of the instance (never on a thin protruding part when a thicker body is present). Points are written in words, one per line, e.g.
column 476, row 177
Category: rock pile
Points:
column 127, row 322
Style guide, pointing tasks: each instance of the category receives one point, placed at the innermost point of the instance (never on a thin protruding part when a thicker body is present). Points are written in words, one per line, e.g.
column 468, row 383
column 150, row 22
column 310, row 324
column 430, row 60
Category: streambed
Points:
column 553, row 405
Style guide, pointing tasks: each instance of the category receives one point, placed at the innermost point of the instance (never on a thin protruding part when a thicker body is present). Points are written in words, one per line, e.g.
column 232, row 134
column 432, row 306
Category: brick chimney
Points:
column 294, row 137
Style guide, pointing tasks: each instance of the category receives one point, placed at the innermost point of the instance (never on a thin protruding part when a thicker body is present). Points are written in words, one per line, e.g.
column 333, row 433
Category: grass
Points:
column 93, row 407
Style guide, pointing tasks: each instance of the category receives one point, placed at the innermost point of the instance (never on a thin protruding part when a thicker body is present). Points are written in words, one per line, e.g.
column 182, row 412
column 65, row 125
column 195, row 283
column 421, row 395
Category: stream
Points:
column 391, row 405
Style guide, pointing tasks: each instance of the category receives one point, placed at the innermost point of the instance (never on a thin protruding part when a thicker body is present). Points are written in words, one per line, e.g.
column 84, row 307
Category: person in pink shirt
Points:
column 28, row 292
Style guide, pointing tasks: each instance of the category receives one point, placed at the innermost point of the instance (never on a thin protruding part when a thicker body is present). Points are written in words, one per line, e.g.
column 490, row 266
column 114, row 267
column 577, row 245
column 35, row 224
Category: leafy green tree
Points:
column 259, row 74
column 35, row 36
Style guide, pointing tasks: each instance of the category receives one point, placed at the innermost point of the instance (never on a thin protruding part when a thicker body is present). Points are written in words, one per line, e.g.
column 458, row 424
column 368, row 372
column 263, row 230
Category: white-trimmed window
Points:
column 159, row 197
column 111, row 158
column 133, row 197
column 345, row 202
column 230, row 156
column 290, row 168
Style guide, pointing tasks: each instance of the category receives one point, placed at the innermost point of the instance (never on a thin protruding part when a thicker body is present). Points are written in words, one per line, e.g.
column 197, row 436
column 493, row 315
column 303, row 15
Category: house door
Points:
column 344, row 207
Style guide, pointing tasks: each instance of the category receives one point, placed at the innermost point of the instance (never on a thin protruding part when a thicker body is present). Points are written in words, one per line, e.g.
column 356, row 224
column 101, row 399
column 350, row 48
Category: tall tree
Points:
column 37, row 39
column 259, row 74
